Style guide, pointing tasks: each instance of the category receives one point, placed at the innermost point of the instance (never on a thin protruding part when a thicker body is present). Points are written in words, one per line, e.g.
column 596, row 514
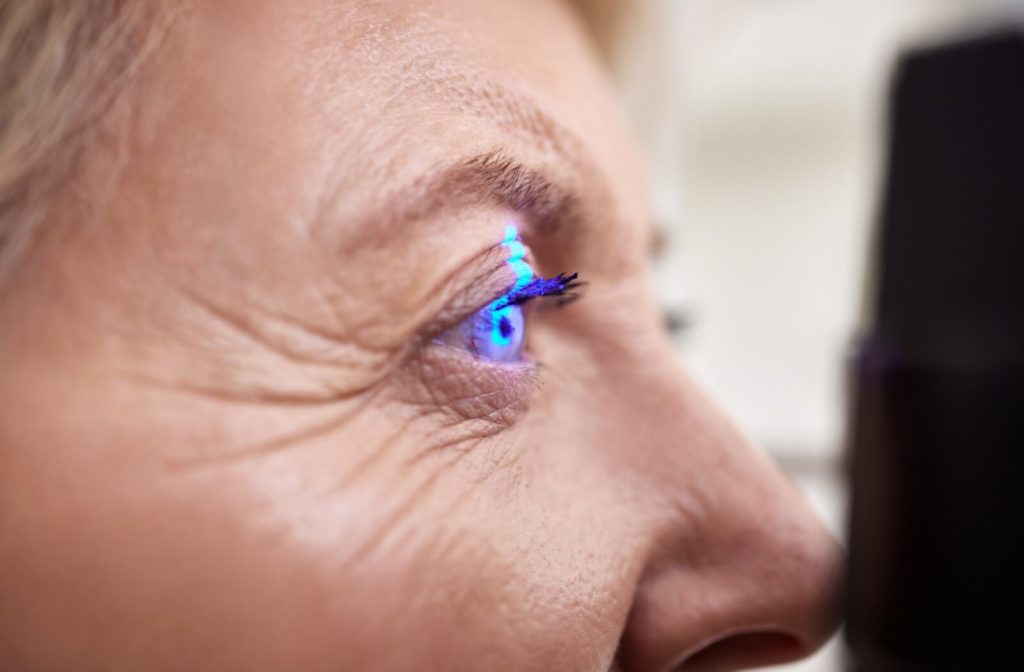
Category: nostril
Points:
column 743, row 650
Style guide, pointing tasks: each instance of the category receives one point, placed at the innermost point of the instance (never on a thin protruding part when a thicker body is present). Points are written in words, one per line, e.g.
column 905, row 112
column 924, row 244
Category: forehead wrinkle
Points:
column 551, row 202
column 479, row 136
column 515, row 114
column 422, row 59
column 467, row 89
column 427, row 68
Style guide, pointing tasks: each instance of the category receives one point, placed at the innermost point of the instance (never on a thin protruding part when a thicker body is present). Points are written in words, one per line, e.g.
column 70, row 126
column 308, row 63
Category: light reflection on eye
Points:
column 517, row 258
column 497, row 331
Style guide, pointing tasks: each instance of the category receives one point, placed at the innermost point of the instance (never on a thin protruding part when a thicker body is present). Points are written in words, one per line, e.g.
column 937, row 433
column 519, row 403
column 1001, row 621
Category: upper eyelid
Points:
column 524, row 285
column 476, row 290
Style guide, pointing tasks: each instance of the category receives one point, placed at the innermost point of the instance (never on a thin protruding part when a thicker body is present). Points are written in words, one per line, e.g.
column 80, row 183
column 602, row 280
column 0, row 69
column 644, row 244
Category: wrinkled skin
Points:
column 230, row 441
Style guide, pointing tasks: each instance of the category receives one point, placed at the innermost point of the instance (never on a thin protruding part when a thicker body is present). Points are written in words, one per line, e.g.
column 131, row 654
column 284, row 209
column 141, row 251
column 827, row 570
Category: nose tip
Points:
column 768, row 600
column 735, row 570
column 796, row 625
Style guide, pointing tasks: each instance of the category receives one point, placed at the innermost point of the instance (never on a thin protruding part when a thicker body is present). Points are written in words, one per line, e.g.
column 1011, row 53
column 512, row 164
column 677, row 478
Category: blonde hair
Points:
column 62, row 65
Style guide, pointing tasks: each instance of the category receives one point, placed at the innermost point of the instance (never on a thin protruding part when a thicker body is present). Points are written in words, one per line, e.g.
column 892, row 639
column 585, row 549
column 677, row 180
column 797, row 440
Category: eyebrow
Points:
column 558, row 196
column 552, row 203
column 494, row 178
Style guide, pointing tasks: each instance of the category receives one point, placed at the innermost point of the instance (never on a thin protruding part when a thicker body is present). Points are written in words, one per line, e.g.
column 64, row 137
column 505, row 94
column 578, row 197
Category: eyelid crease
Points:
column 504, row 281
column 477, row 289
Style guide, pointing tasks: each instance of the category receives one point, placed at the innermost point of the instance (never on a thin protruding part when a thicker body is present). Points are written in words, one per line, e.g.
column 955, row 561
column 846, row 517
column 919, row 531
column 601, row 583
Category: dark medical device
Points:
column 936, row 576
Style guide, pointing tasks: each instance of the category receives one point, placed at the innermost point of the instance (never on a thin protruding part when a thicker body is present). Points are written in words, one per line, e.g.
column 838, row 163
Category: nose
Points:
column 738, row 571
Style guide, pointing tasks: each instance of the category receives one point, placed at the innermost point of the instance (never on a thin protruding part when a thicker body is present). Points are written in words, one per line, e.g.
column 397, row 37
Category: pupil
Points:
column 505, row 327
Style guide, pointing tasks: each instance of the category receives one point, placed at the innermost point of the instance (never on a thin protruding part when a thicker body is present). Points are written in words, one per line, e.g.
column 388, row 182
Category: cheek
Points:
column 527, row 570
column 135, row 573
column 492, row 541
column 319, row 554
column 522, row 591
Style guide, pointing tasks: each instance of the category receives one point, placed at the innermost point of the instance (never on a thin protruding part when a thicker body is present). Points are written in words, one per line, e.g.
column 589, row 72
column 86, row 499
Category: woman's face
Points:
column 264, row 404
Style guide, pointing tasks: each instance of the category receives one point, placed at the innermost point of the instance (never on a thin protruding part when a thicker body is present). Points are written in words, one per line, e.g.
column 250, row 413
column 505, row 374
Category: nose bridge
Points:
column 734, row 548
column 685, row 449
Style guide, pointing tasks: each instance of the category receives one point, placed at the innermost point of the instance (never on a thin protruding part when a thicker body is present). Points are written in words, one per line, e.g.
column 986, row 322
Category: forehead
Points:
column 395, row 87
column 280, row 124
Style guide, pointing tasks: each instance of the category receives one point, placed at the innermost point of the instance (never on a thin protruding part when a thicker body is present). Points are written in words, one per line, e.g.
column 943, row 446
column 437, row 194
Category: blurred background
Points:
column 764, row 125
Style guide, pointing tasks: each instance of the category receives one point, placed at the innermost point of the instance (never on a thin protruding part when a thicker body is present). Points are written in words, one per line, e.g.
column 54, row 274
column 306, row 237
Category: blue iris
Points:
column 498, row 329
column 499, row 333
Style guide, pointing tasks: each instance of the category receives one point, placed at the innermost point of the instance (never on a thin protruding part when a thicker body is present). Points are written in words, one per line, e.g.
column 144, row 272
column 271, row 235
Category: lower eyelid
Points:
column 459, row 384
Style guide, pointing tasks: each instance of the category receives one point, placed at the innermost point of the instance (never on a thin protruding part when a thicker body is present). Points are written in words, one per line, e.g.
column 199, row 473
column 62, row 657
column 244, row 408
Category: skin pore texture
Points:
column 231, row 439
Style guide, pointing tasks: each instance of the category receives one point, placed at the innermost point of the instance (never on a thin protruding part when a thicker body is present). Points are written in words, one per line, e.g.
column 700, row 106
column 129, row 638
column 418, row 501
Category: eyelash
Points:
column 496, row 332
column 560, row 285
column 487, row 331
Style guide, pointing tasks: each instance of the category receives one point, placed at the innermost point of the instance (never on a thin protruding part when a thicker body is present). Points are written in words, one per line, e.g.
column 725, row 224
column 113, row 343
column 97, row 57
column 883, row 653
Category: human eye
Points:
column 497, row 331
